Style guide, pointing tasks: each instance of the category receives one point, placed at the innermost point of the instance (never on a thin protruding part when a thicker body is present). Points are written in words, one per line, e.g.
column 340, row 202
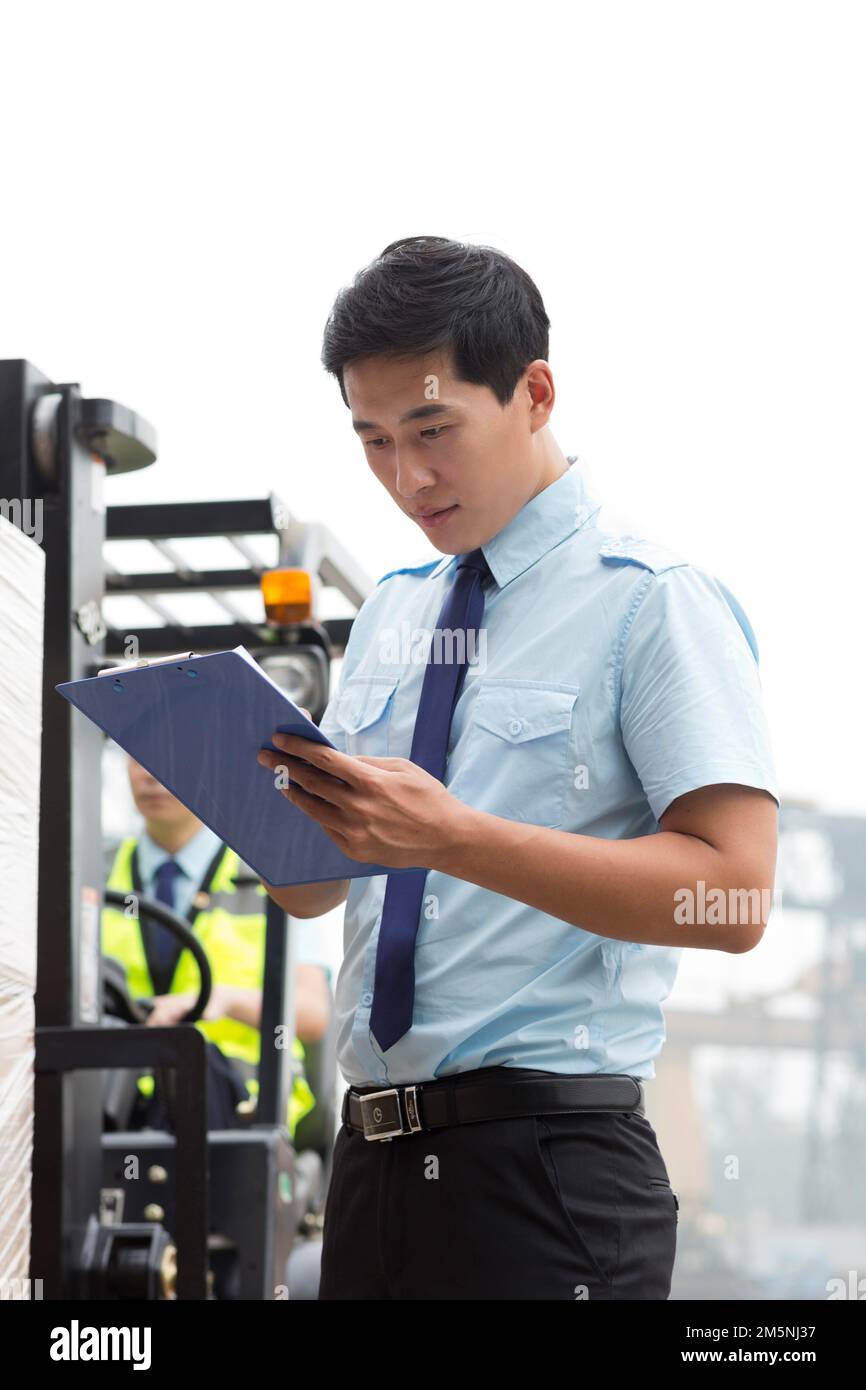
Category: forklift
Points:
column 149, row 1214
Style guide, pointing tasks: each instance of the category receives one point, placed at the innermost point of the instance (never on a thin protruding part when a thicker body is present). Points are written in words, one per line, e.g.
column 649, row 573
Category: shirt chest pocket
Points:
column 363, row 713
column 516, row 755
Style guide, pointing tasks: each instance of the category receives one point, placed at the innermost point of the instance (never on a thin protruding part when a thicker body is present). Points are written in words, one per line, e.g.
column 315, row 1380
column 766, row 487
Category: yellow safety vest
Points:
column 232, row 931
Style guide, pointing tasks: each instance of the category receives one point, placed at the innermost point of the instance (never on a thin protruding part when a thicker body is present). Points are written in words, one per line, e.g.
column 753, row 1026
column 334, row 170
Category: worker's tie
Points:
column 394, row 984
column 163, row 939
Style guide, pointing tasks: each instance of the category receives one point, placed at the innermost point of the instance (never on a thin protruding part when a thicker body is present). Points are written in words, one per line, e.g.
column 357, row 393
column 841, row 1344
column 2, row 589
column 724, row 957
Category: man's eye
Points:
column 431, row 432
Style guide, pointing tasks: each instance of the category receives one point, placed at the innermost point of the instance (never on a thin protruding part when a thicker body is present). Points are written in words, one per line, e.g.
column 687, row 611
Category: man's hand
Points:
column 376, row 810
column 169, row 1009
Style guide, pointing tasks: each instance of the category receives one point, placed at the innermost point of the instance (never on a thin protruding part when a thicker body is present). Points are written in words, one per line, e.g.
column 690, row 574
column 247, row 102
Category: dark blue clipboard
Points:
column 196, row 725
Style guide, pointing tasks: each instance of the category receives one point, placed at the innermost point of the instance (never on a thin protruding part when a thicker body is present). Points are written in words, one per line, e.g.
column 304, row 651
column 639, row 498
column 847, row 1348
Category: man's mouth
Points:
column 435, row 517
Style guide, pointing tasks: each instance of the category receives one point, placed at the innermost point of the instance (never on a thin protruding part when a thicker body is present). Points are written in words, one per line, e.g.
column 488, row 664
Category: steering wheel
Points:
column 132, row 1009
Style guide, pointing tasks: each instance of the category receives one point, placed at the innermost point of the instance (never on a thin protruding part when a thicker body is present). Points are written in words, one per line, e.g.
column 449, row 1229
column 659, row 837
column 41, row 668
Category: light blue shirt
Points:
column 609, row 678
column 309, row 944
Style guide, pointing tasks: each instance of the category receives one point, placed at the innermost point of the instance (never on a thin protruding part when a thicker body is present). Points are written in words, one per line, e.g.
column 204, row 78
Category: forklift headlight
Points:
column 302, row 674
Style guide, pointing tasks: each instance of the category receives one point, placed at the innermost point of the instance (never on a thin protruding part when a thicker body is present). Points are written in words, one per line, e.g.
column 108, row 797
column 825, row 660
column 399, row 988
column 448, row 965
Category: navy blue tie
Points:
column 163, row 939
column 462, row 611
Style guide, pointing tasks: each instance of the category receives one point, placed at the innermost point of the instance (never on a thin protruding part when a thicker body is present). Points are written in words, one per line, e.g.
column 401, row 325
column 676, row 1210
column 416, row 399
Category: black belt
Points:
column 490, row 1093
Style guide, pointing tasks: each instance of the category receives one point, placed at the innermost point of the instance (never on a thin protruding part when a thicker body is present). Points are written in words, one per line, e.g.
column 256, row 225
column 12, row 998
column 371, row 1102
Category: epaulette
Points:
column 412, row 569
column 634, row 550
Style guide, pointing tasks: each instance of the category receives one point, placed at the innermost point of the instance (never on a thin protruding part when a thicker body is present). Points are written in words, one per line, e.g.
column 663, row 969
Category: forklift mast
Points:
column 56, row 447
column 310, row 547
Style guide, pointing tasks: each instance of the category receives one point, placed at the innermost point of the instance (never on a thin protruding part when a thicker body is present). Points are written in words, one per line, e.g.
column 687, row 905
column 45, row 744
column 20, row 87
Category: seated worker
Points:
column 179, row 861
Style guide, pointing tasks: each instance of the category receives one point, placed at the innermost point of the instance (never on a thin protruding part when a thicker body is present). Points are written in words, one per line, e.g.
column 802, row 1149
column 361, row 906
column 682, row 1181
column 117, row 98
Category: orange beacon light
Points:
column 288, row 596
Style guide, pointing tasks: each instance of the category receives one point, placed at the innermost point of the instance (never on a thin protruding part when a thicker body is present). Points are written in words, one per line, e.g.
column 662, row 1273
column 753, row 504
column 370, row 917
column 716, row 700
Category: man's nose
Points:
column 411, row 474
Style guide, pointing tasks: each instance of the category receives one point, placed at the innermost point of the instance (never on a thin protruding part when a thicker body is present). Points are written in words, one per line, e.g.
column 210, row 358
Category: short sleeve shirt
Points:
column 609, row 677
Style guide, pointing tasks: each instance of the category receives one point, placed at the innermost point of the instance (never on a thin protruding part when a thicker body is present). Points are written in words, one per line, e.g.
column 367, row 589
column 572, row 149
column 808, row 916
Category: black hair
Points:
column 426, row 293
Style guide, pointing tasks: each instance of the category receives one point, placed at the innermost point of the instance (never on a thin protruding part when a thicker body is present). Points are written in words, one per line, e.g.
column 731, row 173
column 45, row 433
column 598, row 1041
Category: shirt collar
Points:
column 560, row 509
column 193, row 857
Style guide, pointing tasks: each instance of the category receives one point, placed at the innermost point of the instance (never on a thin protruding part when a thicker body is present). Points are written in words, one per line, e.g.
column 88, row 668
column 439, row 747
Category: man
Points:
column 180, row 861
column 586, row 761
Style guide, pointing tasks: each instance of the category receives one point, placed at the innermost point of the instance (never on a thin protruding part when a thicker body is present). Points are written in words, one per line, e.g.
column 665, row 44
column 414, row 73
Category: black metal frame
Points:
column 167, row 521
column 54, row 446
column 60, row 1051
column 64, row 475
column 220, row 637
column 275, row 1070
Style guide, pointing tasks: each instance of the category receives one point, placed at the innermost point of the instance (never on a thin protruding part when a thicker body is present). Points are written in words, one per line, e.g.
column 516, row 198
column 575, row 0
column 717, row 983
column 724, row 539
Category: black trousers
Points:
column 575, row 1206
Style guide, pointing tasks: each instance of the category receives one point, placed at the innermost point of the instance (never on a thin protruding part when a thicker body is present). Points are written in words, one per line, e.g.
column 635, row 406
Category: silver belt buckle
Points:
column 382, row 1115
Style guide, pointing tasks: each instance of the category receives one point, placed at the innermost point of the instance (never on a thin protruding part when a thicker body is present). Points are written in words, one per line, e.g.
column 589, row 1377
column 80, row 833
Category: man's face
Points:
column 152, row 799
column 467, row 457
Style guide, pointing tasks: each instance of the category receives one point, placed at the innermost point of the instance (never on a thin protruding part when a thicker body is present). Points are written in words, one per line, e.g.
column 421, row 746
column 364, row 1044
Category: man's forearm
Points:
column 310, row 899
column 246, row 1006
column 623, row 889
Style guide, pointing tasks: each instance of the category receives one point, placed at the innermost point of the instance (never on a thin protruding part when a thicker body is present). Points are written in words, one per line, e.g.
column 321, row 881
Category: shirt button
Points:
column 366, row 998
column 515, row 726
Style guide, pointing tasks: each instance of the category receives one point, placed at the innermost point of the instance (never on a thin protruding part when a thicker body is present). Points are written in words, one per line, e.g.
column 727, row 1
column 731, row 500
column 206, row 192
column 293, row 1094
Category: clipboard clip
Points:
column 145, row 661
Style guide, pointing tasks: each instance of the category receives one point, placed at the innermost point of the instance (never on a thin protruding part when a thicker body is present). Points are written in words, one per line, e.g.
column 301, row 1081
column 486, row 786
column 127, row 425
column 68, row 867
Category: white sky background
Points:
column 186, row 188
